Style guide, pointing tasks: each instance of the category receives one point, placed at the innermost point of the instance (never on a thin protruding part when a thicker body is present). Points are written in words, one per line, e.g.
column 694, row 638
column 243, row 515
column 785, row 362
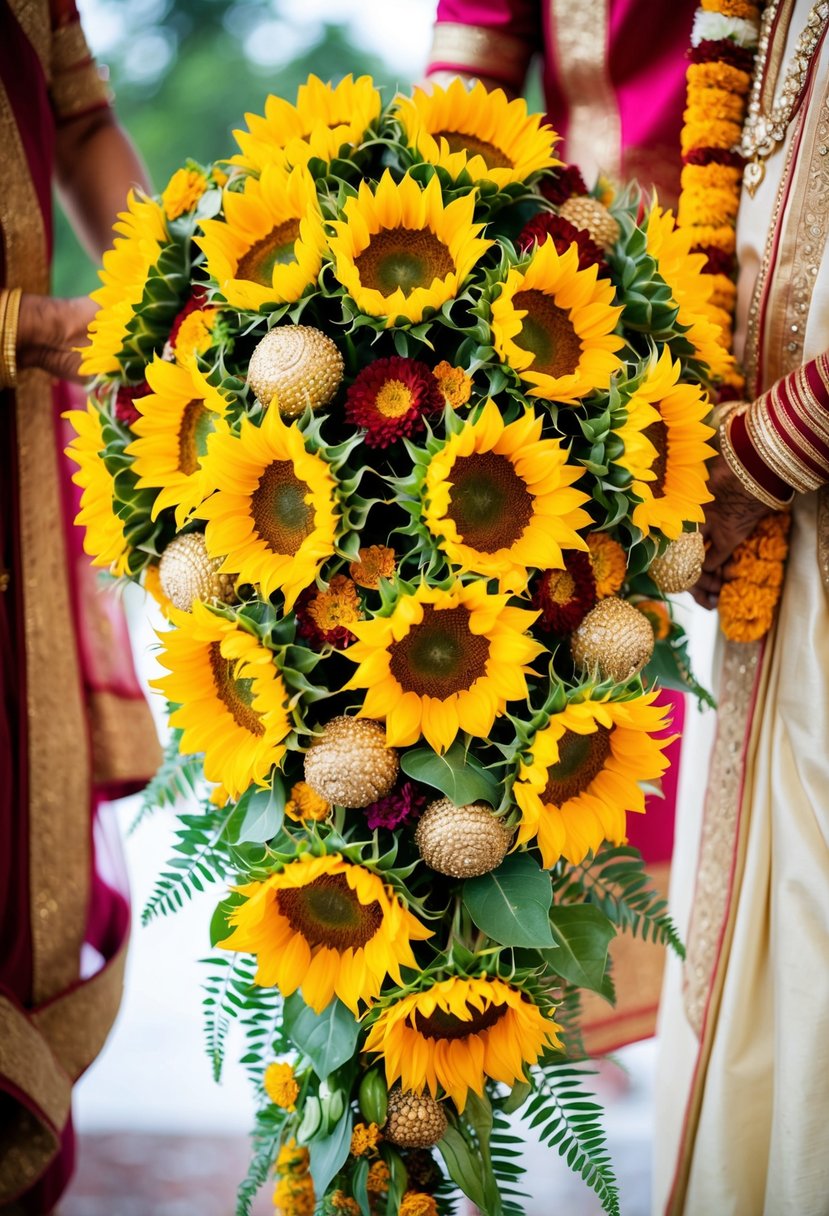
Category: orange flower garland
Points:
column 718, row 81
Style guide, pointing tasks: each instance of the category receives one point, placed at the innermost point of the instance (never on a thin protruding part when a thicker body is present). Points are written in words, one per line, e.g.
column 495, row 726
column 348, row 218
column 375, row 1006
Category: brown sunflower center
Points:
column 489, row 503
column 548, row 333
column 580, row 759
column 459, row 141
column 327, row 912
column 440, row 656
column 657, row 433
column 196, row 424
column 394, row 399
column 404, row 258
column 280, row 513
column 236, row 695
column 276, row 249
column 441, row 1024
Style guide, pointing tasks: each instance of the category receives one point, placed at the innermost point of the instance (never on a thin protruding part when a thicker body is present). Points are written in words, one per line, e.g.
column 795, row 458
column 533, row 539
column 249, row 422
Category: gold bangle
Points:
column 9, row 314
column 742, row 474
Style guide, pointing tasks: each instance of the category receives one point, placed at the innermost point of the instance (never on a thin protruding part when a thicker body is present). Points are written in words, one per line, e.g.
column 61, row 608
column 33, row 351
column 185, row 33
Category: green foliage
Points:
column 328, row 1039
column 179, row 777
column 202, row 857
column 465, row 1148
column 583, row 935
column 457, row 774
column 567, row 1117
column 512, row 904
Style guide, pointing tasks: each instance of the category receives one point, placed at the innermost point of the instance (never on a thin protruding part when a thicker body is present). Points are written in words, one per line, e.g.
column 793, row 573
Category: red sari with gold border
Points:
column 74, row 727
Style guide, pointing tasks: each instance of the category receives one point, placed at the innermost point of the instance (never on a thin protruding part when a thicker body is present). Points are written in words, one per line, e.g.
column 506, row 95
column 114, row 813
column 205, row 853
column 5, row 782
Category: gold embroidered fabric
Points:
column 580, row 38
column 481, row 51
column 78, row 90
column 125, row 745
column 34, row 19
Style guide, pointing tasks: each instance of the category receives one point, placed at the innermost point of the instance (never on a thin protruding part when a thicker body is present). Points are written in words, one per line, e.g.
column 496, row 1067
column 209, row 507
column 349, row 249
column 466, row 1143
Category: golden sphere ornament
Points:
column 413, row 1120
column 680, row 566
column 187, row 573
column 297, row 364
column 462, row 841
column 349, row 764
column 591, row 215
column 615, row 639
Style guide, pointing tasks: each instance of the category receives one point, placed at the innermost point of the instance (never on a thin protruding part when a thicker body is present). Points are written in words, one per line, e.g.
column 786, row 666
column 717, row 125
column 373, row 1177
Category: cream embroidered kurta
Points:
column 743, row 1102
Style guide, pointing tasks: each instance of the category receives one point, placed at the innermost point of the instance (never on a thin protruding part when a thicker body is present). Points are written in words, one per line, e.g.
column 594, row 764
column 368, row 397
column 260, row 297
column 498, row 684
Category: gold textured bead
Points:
column 413, row 1120
column 462, row 841
column 188, row 573
column 297, row 364
column 615, row 639
column 350, row 764
column 591, row 215
column 680, row 566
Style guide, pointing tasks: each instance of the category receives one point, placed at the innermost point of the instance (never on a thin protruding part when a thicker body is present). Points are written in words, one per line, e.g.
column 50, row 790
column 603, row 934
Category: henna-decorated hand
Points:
column 49, row 330
column 729, row 519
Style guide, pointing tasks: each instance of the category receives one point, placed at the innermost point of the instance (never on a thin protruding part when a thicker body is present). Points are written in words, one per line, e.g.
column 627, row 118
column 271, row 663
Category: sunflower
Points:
column 173, row 425
column 400, row 249
column 477, row 132
column 104, row 539
column 269, row 247
column 553, row 324
column 665, row 449
column 583, row 771
column 274, row 515
column 454, row 1034
column 327, row 926
column 443, row 661
column 136, row 248
column 325, row 119
column 182, row 192
column 500, row 499
column 230, row 694
column 391, row 398
column 683, row 272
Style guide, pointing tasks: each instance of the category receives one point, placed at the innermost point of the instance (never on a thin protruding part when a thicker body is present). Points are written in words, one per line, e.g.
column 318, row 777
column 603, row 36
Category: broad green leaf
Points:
column 512, row 904
column 259, row 815
column 583, row 934
column 329, row 1155
column 328, row 1038
column 455, row 774
column 467, row 1170
column 518, row 1095
column 220, row 926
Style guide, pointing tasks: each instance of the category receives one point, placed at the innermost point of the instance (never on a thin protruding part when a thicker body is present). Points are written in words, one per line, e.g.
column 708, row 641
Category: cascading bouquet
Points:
column 405, row 430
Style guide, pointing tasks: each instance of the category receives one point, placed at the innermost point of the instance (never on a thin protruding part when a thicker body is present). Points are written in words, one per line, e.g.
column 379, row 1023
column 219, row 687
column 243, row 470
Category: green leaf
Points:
column 259, row 815
column 329, row 1155
column 518, row 1095
column 512, row 904
column 328, row 1039
column 220, row 926
column 465, row 1169
column 456, row 774
column 583, row 934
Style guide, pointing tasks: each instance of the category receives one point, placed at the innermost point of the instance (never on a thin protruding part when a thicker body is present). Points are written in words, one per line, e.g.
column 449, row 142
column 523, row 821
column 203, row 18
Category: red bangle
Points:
column 753, row 462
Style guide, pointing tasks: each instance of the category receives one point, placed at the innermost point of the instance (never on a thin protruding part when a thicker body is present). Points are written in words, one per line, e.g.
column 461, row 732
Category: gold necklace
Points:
column 764, row 130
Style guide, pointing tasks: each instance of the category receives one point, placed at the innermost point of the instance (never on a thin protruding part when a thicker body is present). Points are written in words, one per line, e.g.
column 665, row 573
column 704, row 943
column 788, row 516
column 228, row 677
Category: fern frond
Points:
column 506, row 1154
column 567, row 1117
column 619, row 884
column 179, row 777
column 203, row 858
column 265, row 1139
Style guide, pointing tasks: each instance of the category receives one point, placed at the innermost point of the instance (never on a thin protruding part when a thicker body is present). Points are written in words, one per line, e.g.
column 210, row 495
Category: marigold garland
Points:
column 754, row 581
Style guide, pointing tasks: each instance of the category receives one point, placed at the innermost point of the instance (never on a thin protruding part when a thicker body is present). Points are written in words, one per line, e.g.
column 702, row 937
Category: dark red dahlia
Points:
column 567, row 182
column 404, row 804
column 125, row 410
column 197, row 301
column 390, row 398
column 564, row 234
column 714, row 156
column 720, row 261
column 564, row 597
column 711, row 50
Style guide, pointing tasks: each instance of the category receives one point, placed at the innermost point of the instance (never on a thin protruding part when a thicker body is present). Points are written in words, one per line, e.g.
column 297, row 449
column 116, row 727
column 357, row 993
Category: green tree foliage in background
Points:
column 182, row 82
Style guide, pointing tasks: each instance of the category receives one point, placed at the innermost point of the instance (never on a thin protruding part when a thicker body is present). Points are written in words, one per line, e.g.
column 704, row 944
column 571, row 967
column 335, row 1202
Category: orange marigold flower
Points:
column 721, row 236
column 716, row 134
column 219, row 176
column 280, row 1085
column 609, row 565
column 707, row 105
column 417, row 1203
column 364, row 1139
column 307, row 804
column 378, row 1179
column 720, row 76
column 373, row 563
column 182, row 192
column 659, row 615
column 732, row 8
column 195, row 334
column 325, row 617
column 707, row 177
column 341, row 1202
column 454, row 383
column 293, row 1159
column 713, row 207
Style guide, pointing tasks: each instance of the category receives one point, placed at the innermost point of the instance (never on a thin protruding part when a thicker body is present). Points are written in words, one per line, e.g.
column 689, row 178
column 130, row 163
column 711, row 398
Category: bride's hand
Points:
column 49, row 330
column 729, row 520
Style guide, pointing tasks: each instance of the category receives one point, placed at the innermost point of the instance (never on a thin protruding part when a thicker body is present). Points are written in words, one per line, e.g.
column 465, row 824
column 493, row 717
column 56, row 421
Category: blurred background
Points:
column 157, row 1136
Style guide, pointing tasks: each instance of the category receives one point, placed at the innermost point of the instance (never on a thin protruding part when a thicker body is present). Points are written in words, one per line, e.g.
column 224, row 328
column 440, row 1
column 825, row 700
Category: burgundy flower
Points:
column 404, row 804
column 564, row 234
column 197, row 301
column 711, row 50
column 567, row 182
column 714, row 156
column 125, row 411
column 564, row 597
column 390, row 398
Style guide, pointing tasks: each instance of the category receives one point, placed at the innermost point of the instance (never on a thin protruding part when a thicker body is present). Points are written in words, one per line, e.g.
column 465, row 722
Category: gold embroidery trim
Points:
column 76, row 91
column 34, row 20
column 59, row 784
column 481, row 51
column 125, row 745
column 581, row 49
column 69, row 47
